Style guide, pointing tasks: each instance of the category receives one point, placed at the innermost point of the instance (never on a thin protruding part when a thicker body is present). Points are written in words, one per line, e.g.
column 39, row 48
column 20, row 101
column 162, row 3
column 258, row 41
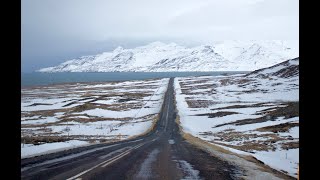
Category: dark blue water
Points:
column 35, row 78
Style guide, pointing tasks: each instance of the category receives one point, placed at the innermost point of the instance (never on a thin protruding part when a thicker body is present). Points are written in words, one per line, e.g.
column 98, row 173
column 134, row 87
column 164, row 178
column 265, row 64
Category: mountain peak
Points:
column 161, row 57
column 156, row 44
column 118, row 49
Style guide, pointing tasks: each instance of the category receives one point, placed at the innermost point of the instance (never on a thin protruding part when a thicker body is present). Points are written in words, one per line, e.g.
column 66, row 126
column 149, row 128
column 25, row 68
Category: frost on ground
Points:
column 188, row 171
column 256, row 113
column 70, row 115
column 145, row 171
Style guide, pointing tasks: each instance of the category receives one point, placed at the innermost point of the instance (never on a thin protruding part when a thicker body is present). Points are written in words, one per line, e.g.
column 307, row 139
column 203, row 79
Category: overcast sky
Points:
column 56, row 30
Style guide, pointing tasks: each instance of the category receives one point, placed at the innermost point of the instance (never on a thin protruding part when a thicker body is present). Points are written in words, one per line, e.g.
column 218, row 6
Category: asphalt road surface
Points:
column 160, row 154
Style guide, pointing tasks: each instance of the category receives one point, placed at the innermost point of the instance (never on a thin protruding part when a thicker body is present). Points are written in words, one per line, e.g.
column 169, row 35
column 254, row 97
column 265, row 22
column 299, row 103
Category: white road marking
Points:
column 107, row 162
column 138, row 146
column 74, row 155
column 122, row 155
column 67, row 157
column 80, row 174
column 114, row 152
column 117, row 158
column 137, row 140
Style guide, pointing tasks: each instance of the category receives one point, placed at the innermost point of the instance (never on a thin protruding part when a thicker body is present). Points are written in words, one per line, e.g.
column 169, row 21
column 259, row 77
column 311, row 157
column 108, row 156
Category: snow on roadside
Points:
column 120, row 114
column 230, row 99
column 103, row 128
column 30, row 149
column 88, row 112
column 286, row 160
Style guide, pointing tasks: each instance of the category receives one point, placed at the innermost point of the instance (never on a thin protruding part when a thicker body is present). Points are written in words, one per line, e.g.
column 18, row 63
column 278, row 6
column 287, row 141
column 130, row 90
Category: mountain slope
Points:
column 286, row 69
column 161, row 57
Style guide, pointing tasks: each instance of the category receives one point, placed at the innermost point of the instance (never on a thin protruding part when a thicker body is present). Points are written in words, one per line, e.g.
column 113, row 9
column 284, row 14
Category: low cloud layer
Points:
column 53, row 30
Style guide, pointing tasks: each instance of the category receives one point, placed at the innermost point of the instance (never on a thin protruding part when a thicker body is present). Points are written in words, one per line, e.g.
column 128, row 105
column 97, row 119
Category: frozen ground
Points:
column 70, row 115
column 256, row 114
column 28, row 150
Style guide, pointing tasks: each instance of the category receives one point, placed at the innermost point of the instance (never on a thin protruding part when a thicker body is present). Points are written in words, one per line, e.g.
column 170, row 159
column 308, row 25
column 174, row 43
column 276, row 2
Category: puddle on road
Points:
column 145, row 171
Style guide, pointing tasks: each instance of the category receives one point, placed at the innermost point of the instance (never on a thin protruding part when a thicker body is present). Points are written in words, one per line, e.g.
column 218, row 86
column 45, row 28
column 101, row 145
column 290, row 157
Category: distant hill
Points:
column 161, row 57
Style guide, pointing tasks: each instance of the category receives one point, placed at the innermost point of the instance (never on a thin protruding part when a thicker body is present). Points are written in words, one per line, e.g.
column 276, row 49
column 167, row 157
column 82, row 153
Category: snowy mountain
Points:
column 161, row 57
column 286, row 69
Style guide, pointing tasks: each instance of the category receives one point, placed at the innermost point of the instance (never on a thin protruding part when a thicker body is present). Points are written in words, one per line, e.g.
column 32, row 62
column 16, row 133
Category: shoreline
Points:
column 148, row 75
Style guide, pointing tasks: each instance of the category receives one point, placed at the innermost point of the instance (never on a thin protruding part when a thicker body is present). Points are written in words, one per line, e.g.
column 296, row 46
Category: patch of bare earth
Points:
column 217, row 114
column 290, row 110
column 244, row 106
column 199, row 103
column 278, row 128
column 248, row 142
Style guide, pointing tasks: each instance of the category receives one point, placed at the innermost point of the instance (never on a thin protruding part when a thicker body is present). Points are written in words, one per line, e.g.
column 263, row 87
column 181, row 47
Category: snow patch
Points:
column 30, row 149
column 145, row 171
column 189, row 172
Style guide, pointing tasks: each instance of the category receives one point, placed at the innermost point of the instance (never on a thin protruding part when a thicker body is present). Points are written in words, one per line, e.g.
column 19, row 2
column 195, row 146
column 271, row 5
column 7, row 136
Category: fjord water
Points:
column 36, row 78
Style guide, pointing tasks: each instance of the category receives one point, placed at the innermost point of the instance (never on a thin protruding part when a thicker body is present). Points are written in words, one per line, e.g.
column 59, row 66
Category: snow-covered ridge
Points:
column 286, row 69
column 161, row 57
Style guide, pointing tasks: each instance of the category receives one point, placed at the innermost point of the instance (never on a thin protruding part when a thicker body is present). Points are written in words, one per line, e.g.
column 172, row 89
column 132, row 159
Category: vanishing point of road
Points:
column 160, row 154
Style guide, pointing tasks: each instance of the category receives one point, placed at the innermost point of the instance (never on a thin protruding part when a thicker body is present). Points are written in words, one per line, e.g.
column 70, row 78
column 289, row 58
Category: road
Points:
column 160, row 154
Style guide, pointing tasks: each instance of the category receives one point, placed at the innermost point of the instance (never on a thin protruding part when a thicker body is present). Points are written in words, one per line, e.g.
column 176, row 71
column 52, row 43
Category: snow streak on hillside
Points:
column 161, row 57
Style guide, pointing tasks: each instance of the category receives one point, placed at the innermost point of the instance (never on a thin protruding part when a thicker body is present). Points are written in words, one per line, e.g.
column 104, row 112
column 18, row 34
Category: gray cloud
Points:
column 55, row 30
